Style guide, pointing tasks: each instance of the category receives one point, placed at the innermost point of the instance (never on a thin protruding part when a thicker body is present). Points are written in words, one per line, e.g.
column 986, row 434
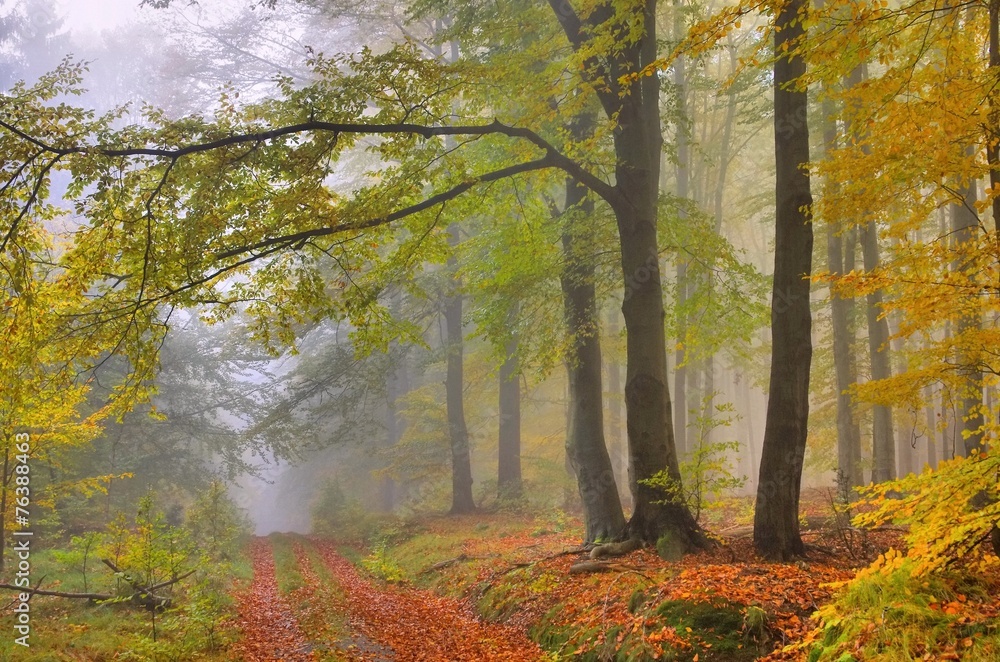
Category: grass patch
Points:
column 72, row 629
column 286, row 567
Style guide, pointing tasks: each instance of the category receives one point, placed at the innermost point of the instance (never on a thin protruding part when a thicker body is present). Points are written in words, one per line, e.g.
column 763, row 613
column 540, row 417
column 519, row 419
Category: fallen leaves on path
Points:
column 421, row 626
column 270, row 632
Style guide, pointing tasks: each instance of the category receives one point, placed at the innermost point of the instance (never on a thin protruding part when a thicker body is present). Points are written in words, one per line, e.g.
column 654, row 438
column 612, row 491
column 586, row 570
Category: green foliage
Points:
column 80, row 556
column 707, row 473
column 343, row 518
column 217, row 524
column 380, row 564
column 148, row 550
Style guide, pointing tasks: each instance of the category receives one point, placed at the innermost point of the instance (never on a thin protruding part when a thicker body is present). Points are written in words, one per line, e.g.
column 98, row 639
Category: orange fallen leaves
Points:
column 270, row 632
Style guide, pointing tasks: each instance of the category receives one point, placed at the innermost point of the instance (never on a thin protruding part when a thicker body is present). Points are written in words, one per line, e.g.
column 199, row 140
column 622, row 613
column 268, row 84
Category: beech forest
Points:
column 499, row 330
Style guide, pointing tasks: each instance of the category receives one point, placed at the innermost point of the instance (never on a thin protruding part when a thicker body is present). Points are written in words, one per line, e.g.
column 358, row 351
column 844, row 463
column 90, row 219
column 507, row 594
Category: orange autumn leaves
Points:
column 382, row 622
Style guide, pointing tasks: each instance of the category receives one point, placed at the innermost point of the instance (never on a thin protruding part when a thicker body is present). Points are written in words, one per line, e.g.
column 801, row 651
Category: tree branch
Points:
column 547, row 161
column 594, row 72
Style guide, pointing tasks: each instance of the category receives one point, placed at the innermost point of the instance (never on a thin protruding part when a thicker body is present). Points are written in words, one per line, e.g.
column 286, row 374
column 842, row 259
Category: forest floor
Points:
column 500, row 587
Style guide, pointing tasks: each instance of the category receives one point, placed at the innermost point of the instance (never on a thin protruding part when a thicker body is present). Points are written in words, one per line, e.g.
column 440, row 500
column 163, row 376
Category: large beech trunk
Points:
column 776, row 521
column 633, row 198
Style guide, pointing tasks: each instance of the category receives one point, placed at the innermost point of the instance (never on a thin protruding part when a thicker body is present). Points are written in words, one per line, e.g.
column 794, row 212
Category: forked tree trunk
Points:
column 776, row 521
column 637, row 143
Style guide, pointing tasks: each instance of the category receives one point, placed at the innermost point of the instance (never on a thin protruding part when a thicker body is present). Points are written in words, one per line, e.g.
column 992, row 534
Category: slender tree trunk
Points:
column 776, row 521
column 397, row 385
column 932, row 431
column 883, row 439
column 848, row 429
column 461, row 460
column 3, row 502
column 509, row 484
column 965, row 228
column 616, row 447
column 585, row 445
column 993, row 145
column 682, row 176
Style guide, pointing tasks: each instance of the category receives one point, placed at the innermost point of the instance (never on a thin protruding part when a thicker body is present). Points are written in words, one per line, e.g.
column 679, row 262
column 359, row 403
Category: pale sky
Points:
column 96, row 15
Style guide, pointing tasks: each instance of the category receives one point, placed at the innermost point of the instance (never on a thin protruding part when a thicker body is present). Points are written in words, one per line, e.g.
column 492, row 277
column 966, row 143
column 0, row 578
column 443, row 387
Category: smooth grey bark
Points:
column 633, row 198
column 932, row 431
column 585, row 445
column 509, row 483
column 883, row 441
column 397, row 385
column 682, row 177
column 849, row 473
column 461, row 459
column 776, row 521
column 965, row 228
column 616, row 447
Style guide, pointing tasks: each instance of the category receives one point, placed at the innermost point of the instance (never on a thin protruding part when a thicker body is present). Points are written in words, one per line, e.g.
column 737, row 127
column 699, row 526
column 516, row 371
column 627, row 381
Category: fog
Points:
column 368, row 415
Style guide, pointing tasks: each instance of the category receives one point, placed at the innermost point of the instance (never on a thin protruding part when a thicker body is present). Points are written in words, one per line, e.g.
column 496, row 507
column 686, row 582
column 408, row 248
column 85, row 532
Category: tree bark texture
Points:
column 509, row 485
column 585, row 445
column 461, row 460
column 776, row 522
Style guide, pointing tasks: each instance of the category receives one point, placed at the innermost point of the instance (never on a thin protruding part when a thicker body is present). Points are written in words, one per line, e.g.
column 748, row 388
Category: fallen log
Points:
column 58, row 594
column 143, row 596
column 444, row 564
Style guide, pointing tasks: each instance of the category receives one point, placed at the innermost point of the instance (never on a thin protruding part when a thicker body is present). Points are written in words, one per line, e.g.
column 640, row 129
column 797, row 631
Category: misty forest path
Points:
column 337, row 614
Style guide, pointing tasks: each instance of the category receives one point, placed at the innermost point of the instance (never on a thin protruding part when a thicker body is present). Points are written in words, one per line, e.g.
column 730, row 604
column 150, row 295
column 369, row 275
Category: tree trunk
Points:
column 397, row 385
column 461, row 461
column 4, row 483
column 776, row 522
column 848, row 429
column 883, row 441
column 637, row 143
column 932, row 431
column 509, row 484
column 965, row 227
column 616, row 447
column 682, row 176
column 585, row 446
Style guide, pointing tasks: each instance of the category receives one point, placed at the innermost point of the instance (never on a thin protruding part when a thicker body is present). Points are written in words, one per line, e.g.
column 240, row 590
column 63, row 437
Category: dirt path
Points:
column 421, row 626
column 270, row 631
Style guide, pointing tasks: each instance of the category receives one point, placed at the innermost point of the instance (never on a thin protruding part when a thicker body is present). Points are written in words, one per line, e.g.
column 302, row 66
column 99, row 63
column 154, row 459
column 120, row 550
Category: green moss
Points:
column 669, row 548
column 717, row 628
